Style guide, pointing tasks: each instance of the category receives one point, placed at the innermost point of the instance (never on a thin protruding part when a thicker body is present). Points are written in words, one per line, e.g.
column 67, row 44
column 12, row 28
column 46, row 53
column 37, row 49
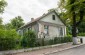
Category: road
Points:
column 46, row 50
column 75, row 51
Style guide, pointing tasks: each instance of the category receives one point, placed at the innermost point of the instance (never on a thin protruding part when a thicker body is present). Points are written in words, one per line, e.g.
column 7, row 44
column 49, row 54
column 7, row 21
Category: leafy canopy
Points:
column 67, row 6
column 2, row 5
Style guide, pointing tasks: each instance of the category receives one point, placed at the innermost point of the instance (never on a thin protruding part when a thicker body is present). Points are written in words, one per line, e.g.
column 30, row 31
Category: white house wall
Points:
column 53, row 31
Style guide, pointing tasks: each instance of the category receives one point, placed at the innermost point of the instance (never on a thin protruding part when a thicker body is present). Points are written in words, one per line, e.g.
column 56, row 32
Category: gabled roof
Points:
column 37, row 19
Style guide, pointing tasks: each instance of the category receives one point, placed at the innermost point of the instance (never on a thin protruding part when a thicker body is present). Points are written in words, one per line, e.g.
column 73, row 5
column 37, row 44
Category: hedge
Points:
column 8, row 39
column 58, row 40
column 81, row 34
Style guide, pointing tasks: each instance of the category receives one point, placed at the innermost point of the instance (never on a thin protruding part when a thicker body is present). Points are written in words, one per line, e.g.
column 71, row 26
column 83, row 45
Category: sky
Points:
column 27, row 9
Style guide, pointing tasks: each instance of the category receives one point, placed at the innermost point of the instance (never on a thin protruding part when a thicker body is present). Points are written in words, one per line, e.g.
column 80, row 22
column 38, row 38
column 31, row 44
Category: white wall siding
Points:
column 53, row 31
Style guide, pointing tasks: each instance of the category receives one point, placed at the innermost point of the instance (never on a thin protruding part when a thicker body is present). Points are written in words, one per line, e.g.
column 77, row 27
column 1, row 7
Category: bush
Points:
column 29, row 39
column 51, row 42
column 8, row 39
column 58, row 40
column 81, row 34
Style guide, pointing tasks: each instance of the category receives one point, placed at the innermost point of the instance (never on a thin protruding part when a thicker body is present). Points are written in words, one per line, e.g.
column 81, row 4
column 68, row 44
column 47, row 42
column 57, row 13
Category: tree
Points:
column 17, row 22
column 74, row 10
column 1, row 23
column 2, row 5
column 8, row 26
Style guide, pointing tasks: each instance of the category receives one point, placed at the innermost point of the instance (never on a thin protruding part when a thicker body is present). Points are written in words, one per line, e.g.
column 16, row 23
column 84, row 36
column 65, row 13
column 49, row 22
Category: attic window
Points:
column 53, row 17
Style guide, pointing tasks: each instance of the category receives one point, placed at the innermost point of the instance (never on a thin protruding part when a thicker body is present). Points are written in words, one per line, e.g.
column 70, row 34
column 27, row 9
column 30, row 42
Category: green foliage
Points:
column 81, row 34
column 8, row 26
column 51, row 41
column 2, row 5
column 1, row 21
column 66, row 6
column 81, row 27
column 75, row 11
column 29, row 39
column 58, row 40
column 15, row 23
column 8, row 39
column 1, row 25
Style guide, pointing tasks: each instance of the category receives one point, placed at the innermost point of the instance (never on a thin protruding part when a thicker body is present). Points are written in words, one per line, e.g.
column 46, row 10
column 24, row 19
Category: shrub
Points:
column 81, row 34
column 51, row 42
column 8, row 39
column 29, row 39
column 58, row 40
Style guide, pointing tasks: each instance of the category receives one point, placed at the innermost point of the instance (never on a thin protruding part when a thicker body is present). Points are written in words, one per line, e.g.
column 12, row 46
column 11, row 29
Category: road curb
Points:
column 29, row 49
column 63, row 49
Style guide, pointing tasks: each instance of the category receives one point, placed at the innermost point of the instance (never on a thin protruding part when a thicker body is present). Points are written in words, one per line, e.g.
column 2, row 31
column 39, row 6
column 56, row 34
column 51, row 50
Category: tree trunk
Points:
column 74, row 34
column 75, row 24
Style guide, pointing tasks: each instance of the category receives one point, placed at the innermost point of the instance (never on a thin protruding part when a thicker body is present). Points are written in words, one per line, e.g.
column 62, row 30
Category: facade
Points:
column 47, row 26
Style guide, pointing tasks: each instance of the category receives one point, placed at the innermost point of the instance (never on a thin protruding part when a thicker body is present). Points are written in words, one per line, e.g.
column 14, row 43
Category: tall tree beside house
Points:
column 74, row 10
column 1, row 21
column 17, row 22
column 2, row 5
column 1, row 26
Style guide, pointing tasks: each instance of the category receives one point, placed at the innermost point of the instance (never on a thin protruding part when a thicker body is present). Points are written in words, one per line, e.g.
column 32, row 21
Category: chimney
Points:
column 32, row 19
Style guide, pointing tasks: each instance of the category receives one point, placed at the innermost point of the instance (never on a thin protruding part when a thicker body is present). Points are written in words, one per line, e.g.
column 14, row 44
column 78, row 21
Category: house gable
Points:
column 52, row 18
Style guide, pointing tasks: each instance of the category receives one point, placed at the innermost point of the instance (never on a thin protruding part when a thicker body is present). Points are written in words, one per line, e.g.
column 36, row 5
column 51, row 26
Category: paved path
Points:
column 43, row 51
column 75, row 51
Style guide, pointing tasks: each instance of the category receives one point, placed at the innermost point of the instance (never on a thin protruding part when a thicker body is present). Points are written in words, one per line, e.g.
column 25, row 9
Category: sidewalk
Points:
column 45, row 50
column 48, row 50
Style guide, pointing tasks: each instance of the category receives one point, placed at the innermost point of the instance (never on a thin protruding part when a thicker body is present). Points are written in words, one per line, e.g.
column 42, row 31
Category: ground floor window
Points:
column 20, row 32
column 46, row 29
column 61, row 31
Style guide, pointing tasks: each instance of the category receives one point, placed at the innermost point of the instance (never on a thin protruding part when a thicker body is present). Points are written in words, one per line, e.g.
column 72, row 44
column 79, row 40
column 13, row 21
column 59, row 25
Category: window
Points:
column 29, row 28
column 46, row 29
column 19, row 32
column 24, row 31
column 53, row 17
column 61, row 31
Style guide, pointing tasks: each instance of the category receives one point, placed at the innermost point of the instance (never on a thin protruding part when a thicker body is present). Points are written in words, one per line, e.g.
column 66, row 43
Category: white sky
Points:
column 27, row 9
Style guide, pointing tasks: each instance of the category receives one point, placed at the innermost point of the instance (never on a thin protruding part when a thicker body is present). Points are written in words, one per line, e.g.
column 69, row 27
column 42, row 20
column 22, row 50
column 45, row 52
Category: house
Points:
column 48, row 26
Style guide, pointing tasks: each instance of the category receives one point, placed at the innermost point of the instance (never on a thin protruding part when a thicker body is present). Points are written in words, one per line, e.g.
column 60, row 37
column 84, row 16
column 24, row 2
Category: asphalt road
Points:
column 75, row 51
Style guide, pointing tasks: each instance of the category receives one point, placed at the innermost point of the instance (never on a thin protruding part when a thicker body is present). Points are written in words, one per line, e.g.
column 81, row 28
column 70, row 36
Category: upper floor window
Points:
column 53, row 17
